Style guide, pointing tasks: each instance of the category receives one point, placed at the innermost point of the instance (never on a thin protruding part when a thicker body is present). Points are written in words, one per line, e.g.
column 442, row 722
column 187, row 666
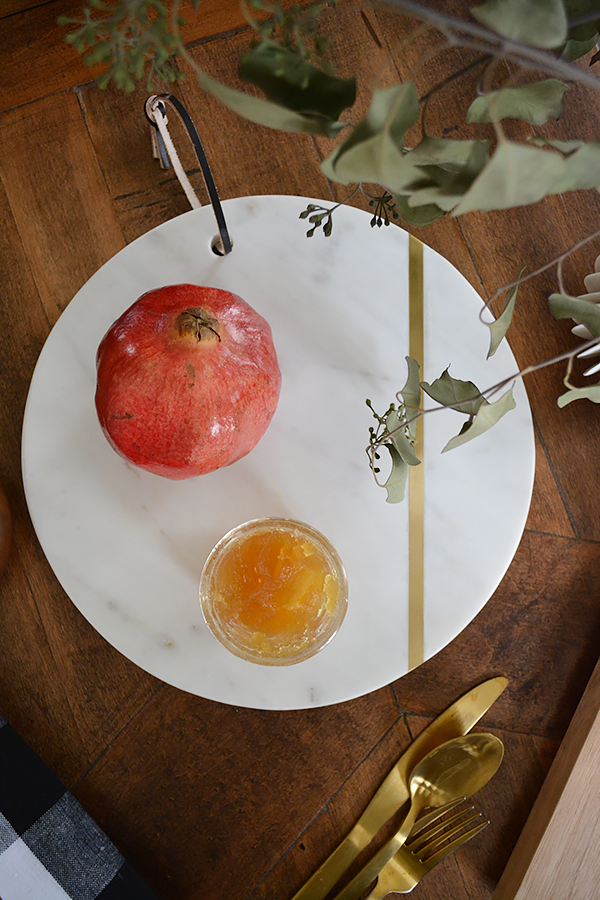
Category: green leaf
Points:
column 516, row 175
column 591, row 392
column 565, row 147
column 576, row 49
column 434, row 195
column 373, row 151
column 295, row 83
column 583, row 311
column 411, row 392
column 263, row 112
column 395, row 426
column 463, row 396
column 542, row 23
column 500, row 326
column 448, row 192
column 582, row 170
column 418, row 216
column 534, row 103
column 443, row 152
column 396, row 481
column 587, row 30
column 487, row 416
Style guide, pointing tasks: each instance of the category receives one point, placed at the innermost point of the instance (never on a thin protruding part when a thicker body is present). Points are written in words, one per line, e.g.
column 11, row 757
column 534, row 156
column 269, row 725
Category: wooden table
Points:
column 204, row 799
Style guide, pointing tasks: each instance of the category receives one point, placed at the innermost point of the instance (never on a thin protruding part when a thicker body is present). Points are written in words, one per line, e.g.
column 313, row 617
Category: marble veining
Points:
column 129, row 547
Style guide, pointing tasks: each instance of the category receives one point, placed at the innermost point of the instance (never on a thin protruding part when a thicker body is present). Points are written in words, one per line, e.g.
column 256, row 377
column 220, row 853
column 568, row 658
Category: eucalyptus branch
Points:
column 424, row 59
column 480, row 38
column 569, row 355
column 557, row 261
column 559, row 276
column 487, row 85
column 484, row 57
column 566, row 379
column 583, row 19
column 424, row 100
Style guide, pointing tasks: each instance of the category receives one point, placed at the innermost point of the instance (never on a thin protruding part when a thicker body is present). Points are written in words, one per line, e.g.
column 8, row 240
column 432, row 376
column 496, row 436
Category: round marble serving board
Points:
column 128, row 547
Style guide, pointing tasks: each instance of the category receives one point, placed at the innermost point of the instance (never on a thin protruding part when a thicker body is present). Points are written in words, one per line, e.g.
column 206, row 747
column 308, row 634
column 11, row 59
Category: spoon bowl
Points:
column 458, row 768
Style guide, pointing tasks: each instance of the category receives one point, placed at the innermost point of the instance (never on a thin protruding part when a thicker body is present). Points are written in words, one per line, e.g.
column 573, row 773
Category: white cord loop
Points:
column 156, row 108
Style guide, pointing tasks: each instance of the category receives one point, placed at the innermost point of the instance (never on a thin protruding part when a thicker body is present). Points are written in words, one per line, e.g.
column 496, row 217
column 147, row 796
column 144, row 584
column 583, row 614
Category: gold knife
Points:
column 457, row 720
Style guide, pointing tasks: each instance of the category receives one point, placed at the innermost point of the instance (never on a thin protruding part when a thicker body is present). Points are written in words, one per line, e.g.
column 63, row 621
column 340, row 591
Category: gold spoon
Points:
column 453, row 770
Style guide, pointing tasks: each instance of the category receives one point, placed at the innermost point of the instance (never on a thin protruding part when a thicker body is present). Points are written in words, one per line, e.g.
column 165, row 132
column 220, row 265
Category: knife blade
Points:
column 393, row 792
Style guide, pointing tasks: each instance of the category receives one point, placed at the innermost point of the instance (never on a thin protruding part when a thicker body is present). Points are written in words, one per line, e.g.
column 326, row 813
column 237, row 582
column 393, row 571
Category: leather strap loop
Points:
column 164, row 149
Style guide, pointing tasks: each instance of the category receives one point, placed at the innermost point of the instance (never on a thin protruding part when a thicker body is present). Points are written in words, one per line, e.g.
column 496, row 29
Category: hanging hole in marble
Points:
column 216, row 245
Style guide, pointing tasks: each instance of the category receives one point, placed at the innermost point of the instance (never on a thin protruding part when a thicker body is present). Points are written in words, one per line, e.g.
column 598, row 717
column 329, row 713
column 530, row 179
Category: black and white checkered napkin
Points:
column 50, row 848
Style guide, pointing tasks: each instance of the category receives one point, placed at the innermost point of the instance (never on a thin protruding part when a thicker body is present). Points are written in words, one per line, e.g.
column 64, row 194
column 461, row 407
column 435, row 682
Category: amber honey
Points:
column 274, row 591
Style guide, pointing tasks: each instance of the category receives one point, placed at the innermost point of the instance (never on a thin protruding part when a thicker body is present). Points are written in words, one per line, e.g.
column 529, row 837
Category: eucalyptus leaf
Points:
column 576, row 9
column 591, row 392
column 373, row 151
column 542, row 23
column 500, row 326
column 486, row 417
column 582, row 170
column 576, row 49
column 263, row 112
column 435, row 195
column 516, row 175
column 565, row 147
column 448, row 192
column 463, row 396
column 534, row 103
column 295, row 83
column 444, row 152
column 396, row 481
column 395, row 426
column 418, row 216
column 583, row 311
column 411, row 393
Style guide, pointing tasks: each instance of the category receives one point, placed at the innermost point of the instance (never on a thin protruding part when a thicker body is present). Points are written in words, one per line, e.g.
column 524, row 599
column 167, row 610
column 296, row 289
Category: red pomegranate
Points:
column 187, row 380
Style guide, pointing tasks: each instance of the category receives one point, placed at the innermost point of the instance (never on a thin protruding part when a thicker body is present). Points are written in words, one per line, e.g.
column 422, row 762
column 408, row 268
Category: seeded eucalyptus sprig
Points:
column 319, row 217
column 378, row 434
column 322, row 216
column 384, row 210
column 295, row 29
column 391, row 432
column 129, row 37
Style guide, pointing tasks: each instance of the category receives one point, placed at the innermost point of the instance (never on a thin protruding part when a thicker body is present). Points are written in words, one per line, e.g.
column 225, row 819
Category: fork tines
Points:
column 438, row 834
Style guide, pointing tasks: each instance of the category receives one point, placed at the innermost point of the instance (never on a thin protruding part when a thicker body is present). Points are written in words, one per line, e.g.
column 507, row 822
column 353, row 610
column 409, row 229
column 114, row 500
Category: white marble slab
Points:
column 128, row 546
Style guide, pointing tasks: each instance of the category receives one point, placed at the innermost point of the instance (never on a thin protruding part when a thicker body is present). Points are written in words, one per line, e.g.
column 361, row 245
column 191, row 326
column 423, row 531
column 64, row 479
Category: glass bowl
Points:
column 274, row 591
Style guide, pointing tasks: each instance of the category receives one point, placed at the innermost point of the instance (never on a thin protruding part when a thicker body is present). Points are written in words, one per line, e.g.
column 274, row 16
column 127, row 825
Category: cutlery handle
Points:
column 331, row 870
column 392, row 880
column 371, row 870
column 390, row 797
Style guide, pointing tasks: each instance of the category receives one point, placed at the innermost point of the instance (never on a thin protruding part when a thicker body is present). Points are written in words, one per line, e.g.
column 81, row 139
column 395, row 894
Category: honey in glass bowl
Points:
column 274, row 591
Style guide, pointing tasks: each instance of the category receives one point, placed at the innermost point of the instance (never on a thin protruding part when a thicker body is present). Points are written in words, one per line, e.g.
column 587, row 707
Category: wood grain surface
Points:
column 208, row 800
column 557, row 855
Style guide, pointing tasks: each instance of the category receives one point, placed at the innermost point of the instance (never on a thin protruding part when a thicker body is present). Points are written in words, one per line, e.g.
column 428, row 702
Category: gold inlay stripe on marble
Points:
column 416, row 482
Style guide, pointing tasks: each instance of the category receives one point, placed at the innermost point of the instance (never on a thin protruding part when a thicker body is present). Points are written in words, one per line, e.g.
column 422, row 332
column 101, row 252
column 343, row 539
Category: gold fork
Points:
column 432, row 839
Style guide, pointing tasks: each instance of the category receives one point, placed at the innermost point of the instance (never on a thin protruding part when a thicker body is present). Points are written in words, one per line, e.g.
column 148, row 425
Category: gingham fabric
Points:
column 50, row 848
